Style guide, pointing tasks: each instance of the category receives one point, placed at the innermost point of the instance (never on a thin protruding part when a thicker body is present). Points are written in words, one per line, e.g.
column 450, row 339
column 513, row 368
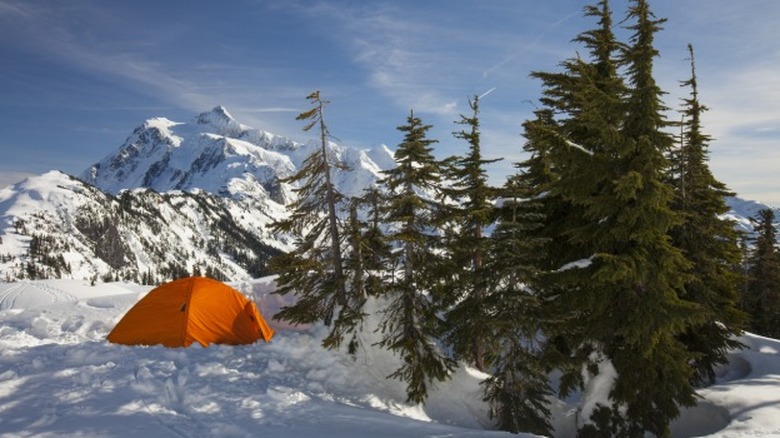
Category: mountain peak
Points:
column 220, row 119
column 220, row 111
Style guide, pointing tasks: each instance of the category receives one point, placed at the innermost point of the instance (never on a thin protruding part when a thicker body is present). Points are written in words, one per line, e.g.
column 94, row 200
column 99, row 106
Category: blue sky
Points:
column 77, row 76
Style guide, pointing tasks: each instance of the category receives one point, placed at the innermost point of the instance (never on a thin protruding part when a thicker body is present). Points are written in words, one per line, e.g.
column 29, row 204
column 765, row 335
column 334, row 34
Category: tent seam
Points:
column 187, row 303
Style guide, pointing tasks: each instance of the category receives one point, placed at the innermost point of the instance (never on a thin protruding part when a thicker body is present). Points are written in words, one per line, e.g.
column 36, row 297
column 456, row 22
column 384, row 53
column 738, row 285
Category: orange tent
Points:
column 193, row 309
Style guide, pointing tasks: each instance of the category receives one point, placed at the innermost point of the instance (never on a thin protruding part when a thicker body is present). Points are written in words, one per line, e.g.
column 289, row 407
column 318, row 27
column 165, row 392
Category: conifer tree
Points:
column 365, row 255
column 376, row 249
column 517, row 391
column 373, row 249
column 762, row 298
column 581, row 135
column 314, row 269
column 468, row 247
column 709, row 242
column 356, row 282
column 617, row 270
column 411, row 325
column 641, row 273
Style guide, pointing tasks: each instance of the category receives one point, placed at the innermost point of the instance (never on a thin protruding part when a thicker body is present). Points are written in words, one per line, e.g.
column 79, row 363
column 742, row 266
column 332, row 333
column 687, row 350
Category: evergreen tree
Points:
column 708, row 241
column 366, row 251
column 314, row 269
column 355, row 270
column 517, row 391
column 613, row 266
column 376, row 249
column 468, row 247
column 411, row 325
column 641, row 273
column 762, row 299
column 580, row 133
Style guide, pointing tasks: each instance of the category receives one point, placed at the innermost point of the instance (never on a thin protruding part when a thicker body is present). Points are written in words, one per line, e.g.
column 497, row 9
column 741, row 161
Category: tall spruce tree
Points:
column 762, row 298
column 518, row 389
column 314, row 269
column 468, row 245
column 642, row 274
column 614, row 266
column 411, row 325
column 581, row 135
column 709, row 242
column 357, row 282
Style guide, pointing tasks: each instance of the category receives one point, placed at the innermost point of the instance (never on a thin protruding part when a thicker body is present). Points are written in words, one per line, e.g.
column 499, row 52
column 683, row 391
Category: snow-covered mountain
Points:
column 56, row 226
column 219, row 155
column 744, row 211
column 175, row 197
column 198, row 197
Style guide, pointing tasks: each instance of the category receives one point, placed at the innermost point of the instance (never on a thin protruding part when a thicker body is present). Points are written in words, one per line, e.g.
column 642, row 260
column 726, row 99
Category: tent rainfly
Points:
column 193, row 309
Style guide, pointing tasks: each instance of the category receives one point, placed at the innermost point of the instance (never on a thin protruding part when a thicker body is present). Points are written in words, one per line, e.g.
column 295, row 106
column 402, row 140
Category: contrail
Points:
column 486, row 93
column 527, row 46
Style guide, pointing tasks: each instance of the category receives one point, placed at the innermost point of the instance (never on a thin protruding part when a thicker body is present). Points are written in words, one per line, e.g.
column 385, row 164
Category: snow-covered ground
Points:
column 59, row 377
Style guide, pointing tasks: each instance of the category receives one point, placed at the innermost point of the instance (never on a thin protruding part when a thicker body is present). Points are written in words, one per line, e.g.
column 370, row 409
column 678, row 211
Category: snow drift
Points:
column 59, row 377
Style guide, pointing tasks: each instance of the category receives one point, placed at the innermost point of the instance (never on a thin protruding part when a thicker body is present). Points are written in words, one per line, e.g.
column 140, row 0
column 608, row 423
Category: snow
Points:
column 578, row 264
column 743, row 210
column 220, row 155
column 382, row 156
column 597, row 388
column 59, row 377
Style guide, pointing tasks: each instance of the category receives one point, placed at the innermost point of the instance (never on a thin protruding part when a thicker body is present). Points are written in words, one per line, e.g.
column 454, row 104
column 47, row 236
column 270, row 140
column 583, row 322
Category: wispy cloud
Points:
column 53, row 38
column 401, row 61
column 377, row 60
column 8, row 8
column 744, row 99
column 133, row 63
column 9, row 177
column 410, row 60
column 270, row 110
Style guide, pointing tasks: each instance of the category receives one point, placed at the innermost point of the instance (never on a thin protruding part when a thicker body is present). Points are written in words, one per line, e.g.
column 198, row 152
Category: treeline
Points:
column 762, row 277
column 608, row 254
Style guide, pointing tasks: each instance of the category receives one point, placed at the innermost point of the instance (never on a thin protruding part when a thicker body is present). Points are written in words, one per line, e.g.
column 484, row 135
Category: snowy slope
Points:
column 743, row 210
column 59, row 377
column 56, row 226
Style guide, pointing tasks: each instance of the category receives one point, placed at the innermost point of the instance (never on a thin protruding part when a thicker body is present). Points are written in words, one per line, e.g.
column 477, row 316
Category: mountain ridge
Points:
column 62, row 227
column 175, row 198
